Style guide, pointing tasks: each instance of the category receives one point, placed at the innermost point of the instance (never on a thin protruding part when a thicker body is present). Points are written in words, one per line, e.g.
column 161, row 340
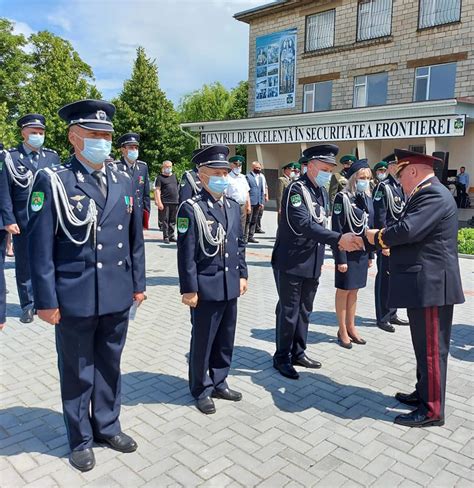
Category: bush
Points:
column 466, row 241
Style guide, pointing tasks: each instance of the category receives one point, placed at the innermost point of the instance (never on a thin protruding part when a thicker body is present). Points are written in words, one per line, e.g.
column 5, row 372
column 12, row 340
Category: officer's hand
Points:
column 350, row 242
column 243, row 286
column 386, row 252
column 370, row 235
column 160, row 206
column 371, row 263
column 12, row 229
column 139, row 297
column 249, row 210
column 342, row 268
column 50, row 315
column 190, row 299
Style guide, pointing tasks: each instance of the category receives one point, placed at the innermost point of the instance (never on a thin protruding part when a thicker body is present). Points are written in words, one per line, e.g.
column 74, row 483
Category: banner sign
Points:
column 275, row 66
column 447, row 126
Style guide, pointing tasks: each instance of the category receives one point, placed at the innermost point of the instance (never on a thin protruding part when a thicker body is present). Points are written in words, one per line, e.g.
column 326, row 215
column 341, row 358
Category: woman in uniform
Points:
column 353, row 212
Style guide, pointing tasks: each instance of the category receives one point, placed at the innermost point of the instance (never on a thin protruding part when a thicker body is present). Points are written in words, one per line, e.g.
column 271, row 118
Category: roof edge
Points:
column 245, row 15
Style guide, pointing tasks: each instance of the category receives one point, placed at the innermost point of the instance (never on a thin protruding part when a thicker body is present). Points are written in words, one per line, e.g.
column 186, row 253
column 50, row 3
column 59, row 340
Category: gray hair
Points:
column 351, row 187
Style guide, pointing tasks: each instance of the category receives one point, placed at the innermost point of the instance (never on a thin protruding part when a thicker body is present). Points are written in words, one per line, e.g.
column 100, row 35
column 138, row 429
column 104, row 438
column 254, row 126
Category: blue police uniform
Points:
column 89, row 267
column 25, row 163
column 425, row 278
column 389, row 200
column 212, row 268
column 189, row 186
column 297, row 258
column 3, row 239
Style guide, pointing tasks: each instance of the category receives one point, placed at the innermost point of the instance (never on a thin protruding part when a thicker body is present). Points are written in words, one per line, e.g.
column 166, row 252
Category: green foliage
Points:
column 240, row 100
column 142, row 107
column 466, row 241
column 7, row 131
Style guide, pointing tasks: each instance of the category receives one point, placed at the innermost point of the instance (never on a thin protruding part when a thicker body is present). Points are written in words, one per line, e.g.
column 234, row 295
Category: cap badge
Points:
column 101, row 115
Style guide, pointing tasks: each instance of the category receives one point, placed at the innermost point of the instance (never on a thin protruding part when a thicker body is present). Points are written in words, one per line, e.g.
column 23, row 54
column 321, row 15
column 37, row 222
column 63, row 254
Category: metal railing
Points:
column 438, row 12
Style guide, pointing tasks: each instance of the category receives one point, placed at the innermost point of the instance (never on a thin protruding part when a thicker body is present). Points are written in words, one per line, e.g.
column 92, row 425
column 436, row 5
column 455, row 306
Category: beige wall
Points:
column 352, row 58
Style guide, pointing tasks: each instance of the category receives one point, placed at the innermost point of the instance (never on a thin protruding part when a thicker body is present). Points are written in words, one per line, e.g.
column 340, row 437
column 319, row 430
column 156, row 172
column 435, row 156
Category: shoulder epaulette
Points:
column 142, row 162
column 47, row 149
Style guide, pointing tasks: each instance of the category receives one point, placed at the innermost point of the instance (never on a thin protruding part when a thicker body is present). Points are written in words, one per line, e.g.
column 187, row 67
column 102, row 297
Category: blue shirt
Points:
column 463, row 178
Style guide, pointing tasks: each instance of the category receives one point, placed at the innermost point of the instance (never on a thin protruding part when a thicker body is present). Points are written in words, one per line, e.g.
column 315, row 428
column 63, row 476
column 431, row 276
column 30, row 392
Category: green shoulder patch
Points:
column 182, row 224
column 37, row 201
column 296, row 200
column 1, row 166
column 378, row 195
column 337, row 208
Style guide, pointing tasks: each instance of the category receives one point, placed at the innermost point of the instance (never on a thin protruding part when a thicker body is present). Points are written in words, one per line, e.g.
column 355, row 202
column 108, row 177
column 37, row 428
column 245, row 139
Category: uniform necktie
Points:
column 34, row 159
column 99, row 176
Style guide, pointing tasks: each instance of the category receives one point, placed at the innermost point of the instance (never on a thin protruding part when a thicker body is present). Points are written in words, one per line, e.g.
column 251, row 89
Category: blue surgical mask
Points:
column 304, row 169
column 96, row 150
column 362, row 185
column 167, row 171
column 218, row 184
column 237, row 171
column 381, row 176
column 132, row 154
column 292, row 174
column 36, row 140
column 323, row 178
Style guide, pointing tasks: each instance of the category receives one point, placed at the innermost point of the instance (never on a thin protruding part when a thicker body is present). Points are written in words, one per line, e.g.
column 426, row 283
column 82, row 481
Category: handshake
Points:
column 350, row 242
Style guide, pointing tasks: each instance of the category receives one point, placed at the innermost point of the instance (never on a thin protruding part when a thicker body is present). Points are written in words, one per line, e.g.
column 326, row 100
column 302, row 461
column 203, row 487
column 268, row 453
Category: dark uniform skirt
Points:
column 356, row 275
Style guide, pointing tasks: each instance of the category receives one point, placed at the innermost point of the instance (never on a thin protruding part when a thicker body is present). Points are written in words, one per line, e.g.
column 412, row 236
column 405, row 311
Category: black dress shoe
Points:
column 166, row 240
column 253, row 240
column 27, row 316
column 398, row 321
column 355, row 340
column 259, row 231
column 345, row 345
column 411, row 399
column 120, row 442
column 83, row 460
column 417, row 419
column 287, row 370
column 386, row 326
column 228, row 394
column 306, row 362
column 206, row 405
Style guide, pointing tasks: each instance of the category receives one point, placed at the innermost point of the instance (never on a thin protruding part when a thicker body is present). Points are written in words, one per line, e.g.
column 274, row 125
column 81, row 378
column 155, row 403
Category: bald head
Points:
column 412, row 175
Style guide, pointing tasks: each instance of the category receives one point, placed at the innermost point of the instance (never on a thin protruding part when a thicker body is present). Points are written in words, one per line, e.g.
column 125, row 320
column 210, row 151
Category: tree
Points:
column 142, row 107
column 7, row 131
column 14, row 68
column 58, row 76
column 240, row 99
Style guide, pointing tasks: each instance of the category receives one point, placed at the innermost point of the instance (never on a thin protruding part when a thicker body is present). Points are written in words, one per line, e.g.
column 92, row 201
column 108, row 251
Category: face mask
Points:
column 132, row 154
column 218, row 184
column 292, row 174
column 256, row 171
column 323, row 178
column 36, row 140
column 381, row 176
column 304, row 169
column 362, row 185
column 237, row 171
column 96, row 150
column 167, row 171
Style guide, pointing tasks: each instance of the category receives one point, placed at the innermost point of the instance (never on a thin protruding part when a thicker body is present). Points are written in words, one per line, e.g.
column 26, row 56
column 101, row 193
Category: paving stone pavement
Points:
column 331, row 428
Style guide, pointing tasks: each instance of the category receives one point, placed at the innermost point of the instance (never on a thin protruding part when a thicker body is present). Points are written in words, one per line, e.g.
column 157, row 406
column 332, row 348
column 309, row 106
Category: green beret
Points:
column 380, row 165
column 237, row 159
column 297, row 166
column 303, row 160
column 291, row 165
column 348, row 158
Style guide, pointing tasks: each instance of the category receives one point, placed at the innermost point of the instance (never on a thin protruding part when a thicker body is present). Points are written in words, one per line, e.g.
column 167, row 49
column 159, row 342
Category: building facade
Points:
column 368, row 75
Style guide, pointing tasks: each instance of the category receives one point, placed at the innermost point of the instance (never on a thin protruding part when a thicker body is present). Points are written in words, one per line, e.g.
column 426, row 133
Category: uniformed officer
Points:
column 424, row 278
column 298, row 256
column 339, row 180
column 137, row 170
column 238, row 188
column 303, row 162
column 389, row 201
column 3, row 242
column 212, row 275
column 190, row 185
column 289, row 174
column 20, row 165
column 85, row 231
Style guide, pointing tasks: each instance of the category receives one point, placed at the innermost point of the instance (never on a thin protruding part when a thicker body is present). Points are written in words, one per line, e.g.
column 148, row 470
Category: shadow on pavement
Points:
column 162, row 281
column 312, row 390
column 462, row 342
column 261, row 264
column 313, row 337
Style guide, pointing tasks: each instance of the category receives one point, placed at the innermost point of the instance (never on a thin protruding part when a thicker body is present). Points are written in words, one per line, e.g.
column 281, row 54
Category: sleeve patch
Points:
column 183, row 224
column 378, row 195
column 37, row 201
column 337, row 208
column 296, row 200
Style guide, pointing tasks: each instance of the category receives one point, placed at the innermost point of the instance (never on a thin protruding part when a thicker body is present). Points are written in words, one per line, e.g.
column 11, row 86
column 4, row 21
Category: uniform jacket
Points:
column 257, row 193
column 94, row 278
column 15, row 199
column 382, row 215
column 213, row 278
column 138, row 173
column 340, row 223
column 283, row 182
column 186, row 191
column 302, row 255
column 424, row 268
column 337, row 184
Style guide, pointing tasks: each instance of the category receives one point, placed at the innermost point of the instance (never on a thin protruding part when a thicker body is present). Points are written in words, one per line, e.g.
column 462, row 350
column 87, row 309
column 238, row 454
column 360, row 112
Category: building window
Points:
column 317, row 96
column 438, row 12
column 374, row 19
column 320, row 30
column 370, row 90
column 435, row 82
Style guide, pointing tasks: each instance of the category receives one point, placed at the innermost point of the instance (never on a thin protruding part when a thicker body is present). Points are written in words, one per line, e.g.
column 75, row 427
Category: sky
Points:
column 193, row 41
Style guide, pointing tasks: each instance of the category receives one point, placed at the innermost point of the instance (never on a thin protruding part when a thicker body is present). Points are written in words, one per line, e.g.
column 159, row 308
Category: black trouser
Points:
column 382, row 312
column 243, row 216
column 251, row 222
column 461, row 195
column 430, row 333
column 212, row 345
column 89, row 351
column 168, row 219
column 3, row 288
column 258, row 227
column 295, row 304
column 22, row 270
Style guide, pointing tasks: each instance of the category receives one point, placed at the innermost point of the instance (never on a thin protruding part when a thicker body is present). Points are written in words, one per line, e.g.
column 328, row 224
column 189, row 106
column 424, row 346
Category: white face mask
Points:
column 237, row 171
